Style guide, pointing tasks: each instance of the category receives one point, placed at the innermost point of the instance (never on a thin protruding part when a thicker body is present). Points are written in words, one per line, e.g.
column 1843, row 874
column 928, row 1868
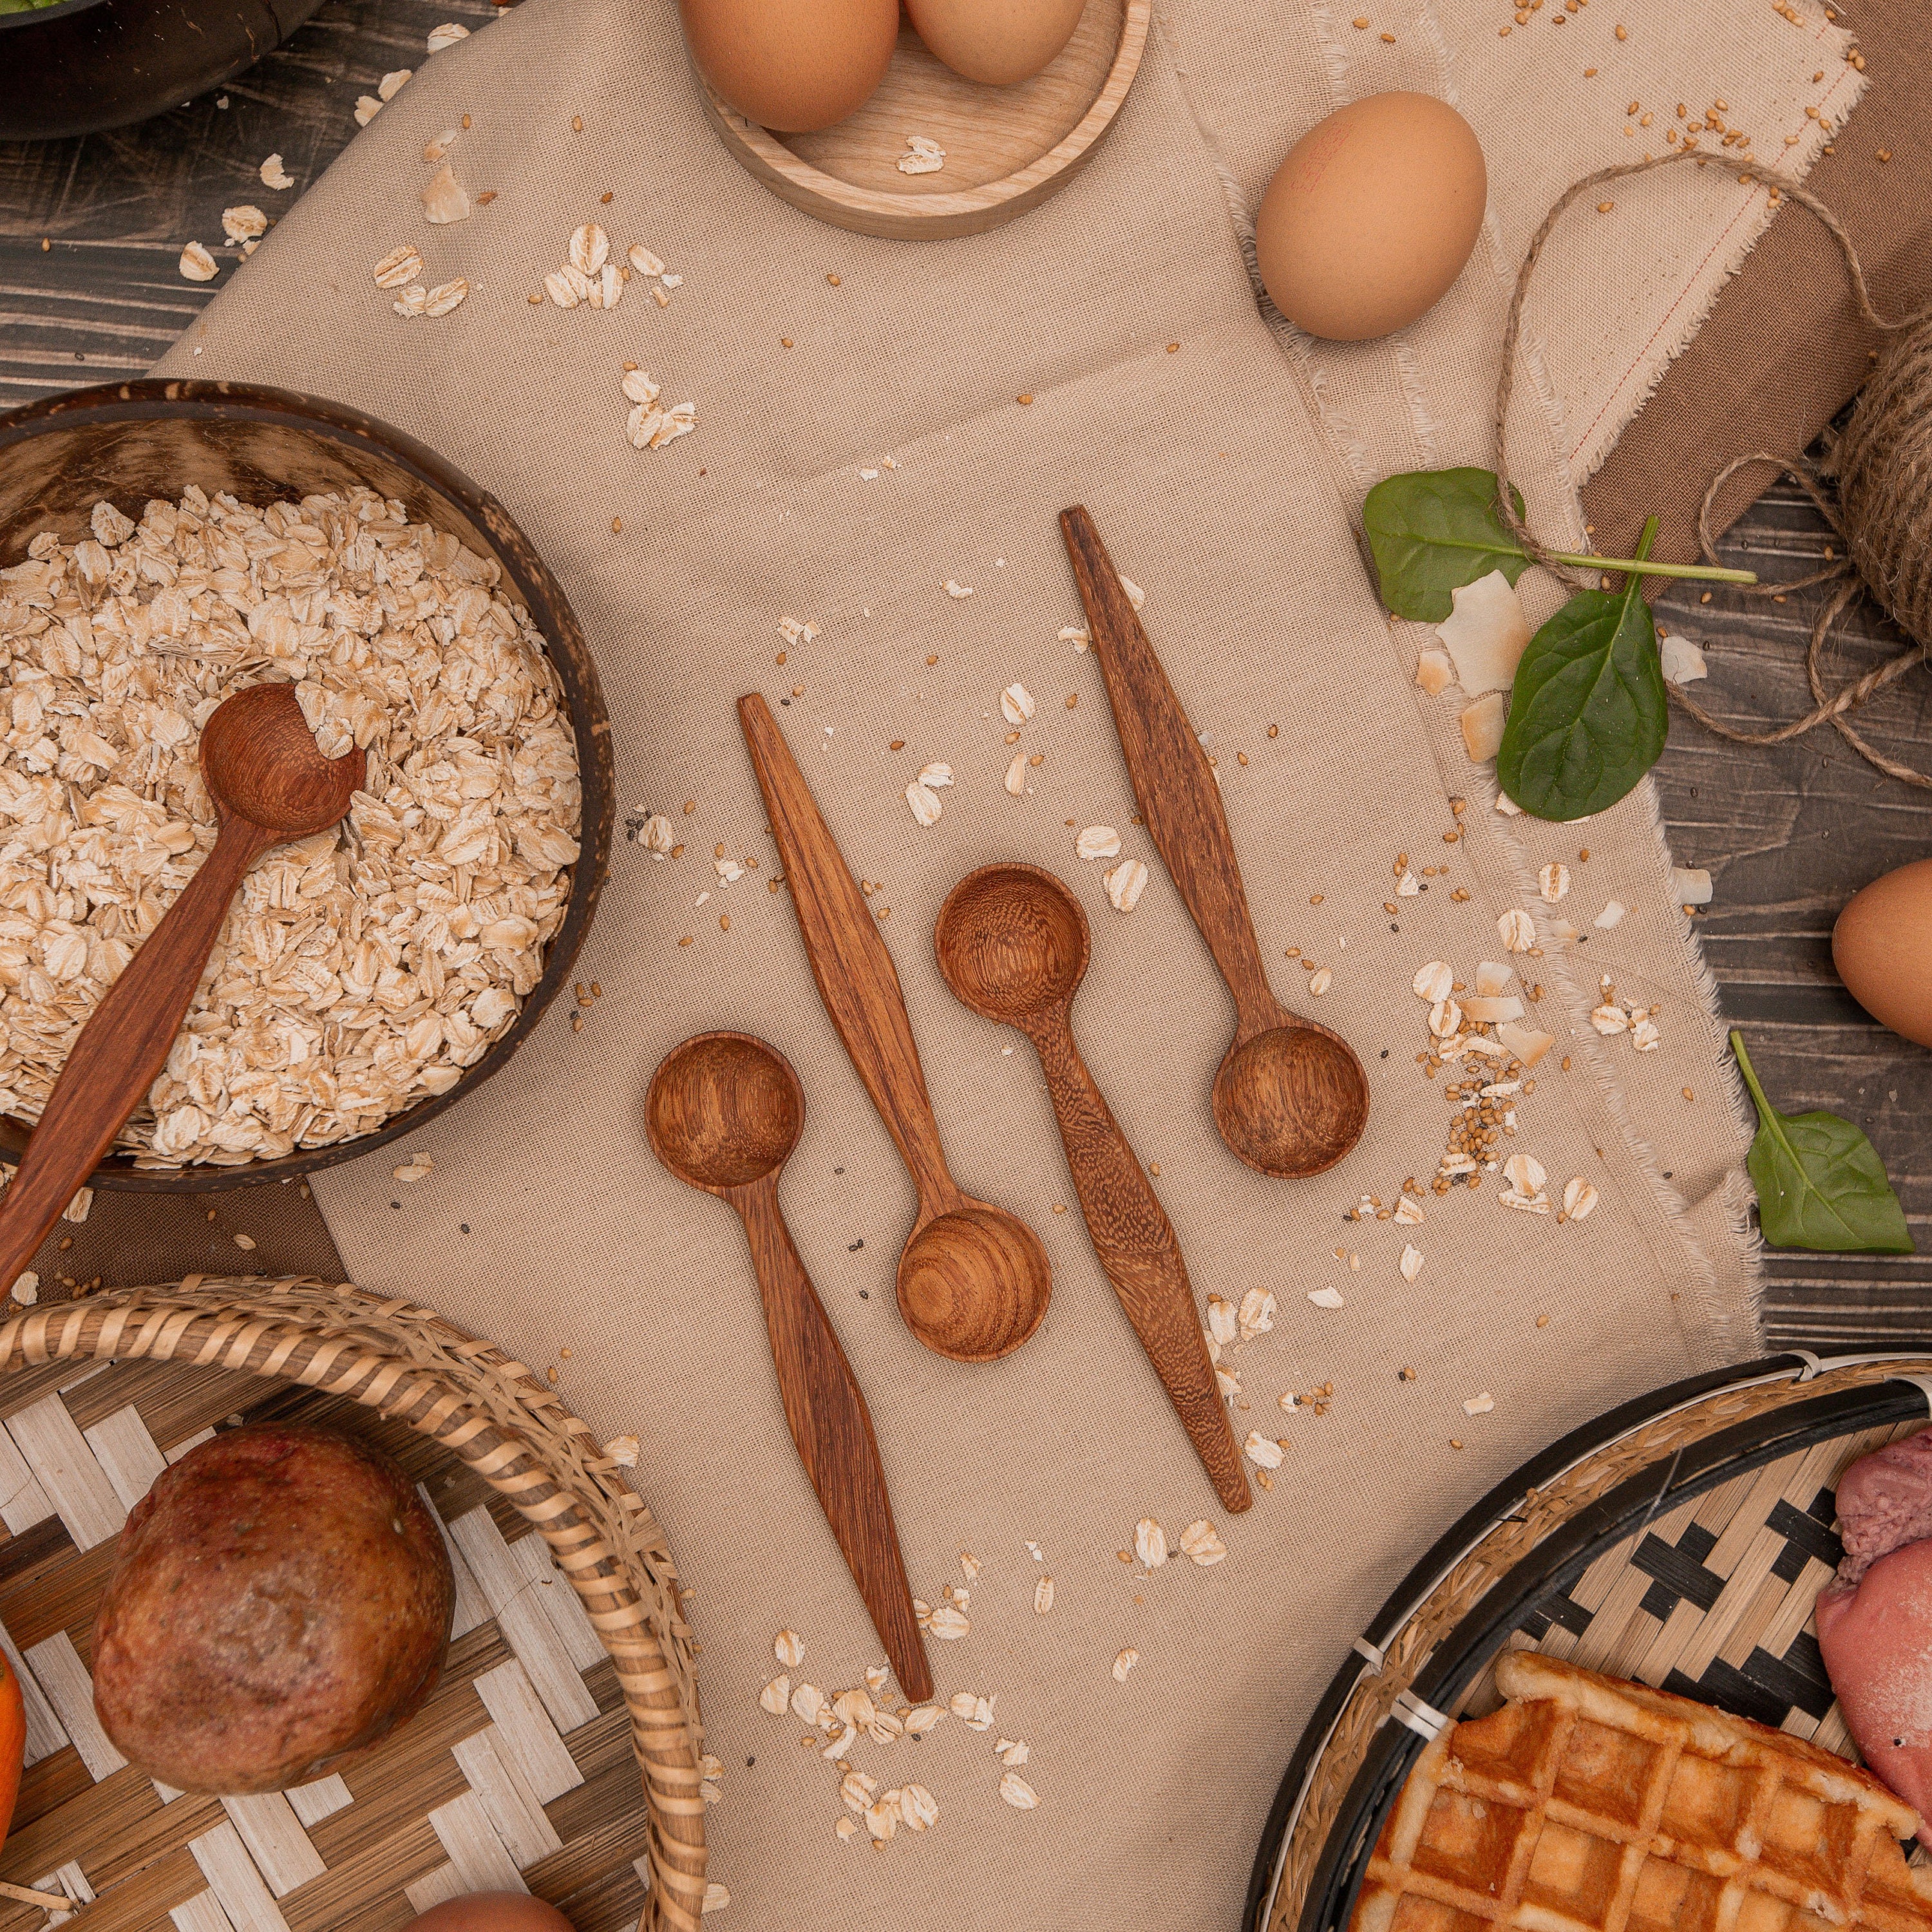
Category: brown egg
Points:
column 1372, row 216
column 997, row 40
column 792, row 65
column 491, row 1911
column 1882, row 947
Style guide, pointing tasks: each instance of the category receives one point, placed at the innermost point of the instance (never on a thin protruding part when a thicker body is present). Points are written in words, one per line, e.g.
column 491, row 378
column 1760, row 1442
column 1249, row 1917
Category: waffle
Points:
column 1587, row 1804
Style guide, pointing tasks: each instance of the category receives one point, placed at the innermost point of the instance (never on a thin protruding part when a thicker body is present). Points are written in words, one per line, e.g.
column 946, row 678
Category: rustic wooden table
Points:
column 90, row 233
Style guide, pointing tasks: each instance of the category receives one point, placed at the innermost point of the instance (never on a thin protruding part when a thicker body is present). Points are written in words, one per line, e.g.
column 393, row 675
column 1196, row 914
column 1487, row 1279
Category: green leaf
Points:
column 1588, row 714
column 1820, row 1183
column 1432, row 530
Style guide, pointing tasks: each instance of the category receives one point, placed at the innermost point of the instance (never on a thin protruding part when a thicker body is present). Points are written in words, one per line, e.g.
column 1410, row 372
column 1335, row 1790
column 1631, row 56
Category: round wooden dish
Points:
column 1680, row 1541
column 128, row 442
column 1007, row 148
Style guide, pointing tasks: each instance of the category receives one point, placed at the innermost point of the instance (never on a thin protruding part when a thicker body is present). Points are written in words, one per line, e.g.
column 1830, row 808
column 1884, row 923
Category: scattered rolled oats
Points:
column 1434, row 981
column 775, row 1696
column 924, row 801
column 1223, row 1319
column 417, row 1168
column 1579, row 1197
column 1407, row 1212
column 392, row 84
column 918, row 1807
column 1202, row 1542
column 1612, row 914
column 447, row 35
column 1012, row 1751
column 398, row 266
column 922, row 1718
column 445, row 199
column 1525, row 1173
column 1517, row 930
column 445, row 296
column 1553, row 882
column 923, row 156
column 1411, row 1261
column 935, row 777
column 808, row 1704
column 1017, row 1792
column 948, row 1623
column 1445, row 1019
column 244, row 222
column 366, row 108
column 956, row 590
column 1150, row 1543
column 1042, row 1596
column 197, row 265
column 1320, row 980
column 26, row 1289
column 641, row 258
column 846, row 1828
column 412, row 301
column 622, row 1449
column 1645, row 1036
column 1097, row 842
column 589, row 248
column 1255, row 1315
column 562, row 289
column 1136, row 596
column 974, row 1712
column 1124, row 1663
column 788, row 1647
column 1263, row 1450
column 1125, row 884
column 717, row 1896
column 1479, row 1404
column 856, row 1789
column 274, row 175
column 1016, row 704
column 1326, row 1298
column 1608, row 1019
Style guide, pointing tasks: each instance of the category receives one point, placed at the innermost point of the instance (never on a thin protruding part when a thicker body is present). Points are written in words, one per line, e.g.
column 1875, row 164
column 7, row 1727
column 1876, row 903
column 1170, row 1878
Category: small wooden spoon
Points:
column 973, row 1280
column 269, row 784
column 1013, row 943
column 723, row 1113
column 1291, row 1098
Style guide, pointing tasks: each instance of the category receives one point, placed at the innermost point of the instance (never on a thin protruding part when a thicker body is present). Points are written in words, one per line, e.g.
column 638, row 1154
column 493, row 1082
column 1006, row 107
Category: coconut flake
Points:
column 1683, row 662
column 1690, row 885
column 445, row 199
column 1612, row 914
column 1486, row 633
column 1434, row 672
column 1482, row 725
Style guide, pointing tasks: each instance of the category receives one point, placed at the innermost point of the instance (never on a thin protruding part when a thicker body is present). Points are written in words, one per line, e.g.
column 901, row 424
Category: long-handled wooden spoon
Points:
column 1013, row 945
column 723, row 1113
column 269, row 784
column 1291, row 1098
column 973, row 1280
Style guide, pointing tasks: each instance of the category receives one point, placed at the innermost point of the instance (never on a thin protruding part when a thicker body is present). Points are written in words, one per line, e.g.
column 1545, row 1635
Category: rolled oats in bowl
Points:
column 361, row 970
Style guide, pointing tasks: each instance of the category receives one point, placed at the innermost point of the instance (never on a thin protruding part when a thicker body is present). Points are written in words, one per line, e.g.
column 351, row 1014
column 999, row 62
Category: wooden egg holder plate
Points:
column 1007, row 148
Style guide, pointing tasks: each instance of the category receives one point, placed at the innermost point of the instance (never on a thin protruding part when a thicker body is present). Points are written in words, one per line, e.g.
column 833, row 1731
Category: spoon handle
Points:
column 1136, row 1244
column 122, row 1047
column 833, row 1429
column 1179, row 797
column 857, row 978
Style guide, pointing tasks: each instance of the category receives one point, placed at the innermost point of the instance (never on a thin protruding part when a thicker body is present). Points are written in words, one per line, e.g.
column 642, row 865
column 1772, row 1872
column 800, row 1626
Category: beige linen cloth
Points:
column 1164, row 402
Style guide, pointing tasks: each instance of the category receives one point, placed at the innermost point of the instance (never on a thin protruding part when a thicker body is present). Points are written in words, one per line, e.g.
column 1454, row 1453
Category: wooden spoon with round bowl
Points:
column 270, row 784
column 1291, row 1098
column 1013, row 943
column 723, row 1113
column 973, row 1280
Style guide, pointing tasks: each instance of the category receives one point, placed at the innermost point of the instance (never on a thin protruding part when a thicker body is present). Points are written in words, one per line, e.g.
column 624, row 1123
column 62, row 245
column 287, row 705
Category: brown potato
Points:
column 281, row 1598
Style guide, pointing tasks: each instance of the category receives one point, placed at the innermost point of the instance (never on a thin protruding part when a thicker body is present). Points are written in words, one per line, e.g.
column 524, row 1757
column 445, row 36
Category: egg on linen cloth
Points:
column 794, row 66
column 1369, row 219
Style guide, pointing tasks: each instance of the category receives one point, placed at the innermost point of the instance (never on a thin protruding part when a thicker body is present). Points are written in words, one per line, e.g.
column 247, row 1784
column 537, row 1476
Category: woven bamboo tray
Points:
column 1681, row 1540
column 569, row 1669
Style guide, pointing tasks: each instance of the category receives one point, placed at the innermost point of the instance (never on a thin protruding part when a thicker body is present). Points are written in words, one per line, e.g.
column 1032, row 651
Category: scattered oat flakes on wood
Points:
column 447, row 35
column 196, row 264
column 244, row 222
column 923, row 156
column 274, row 175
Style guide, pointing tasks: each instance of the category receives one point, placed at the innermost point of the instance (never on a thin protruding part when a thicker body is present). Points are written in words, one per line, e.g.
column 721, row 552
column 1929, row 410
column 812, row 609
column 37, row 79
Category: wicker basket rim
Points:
column 410, row 1364
column 1499, row 1532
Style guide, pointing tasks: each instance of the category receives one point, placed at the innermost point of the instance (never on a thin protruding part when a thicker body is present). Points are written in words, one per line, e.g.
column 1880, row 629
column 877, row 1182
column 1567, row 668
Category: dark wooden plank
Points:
column 1789, row 832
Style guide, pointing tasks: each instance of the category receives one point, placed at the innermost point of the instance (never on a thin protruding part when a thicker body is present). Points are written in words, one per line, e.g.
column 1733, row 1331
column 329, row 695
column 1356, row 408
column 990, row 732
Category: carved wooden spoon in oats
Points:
column 270, row 784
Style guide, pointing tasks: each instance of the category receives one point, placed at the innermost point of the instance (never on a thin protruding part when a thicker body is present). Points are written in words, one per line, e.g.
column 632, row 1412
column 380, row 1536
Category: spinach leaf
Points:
column 1434, row 529
column 1588, row 714
column 1820, row 1183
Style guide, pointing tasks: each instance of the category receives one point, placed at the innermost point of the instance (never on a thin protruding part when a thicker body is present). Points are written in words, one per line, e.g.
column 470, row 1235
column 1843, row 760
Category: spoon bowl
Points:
column 973, row 1283
column 1012, row 942
column 723, row 1110
column 1291, row 1100
column 260, row 762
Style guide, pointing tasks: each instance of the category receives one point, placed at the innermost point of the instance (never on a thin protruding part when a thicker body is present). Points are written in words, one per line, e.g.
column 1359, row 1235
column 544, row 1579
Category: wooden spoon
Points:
column 973, row 1280
column 269, row 784
column 1013, row 943
column 723, row 1113
column 1291, row 1098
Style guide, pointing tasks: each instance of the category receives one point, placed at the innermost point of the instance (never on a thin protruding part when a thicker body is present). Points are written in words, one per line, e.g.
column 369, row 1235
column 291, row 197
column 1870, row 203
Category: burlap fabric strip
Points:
column 812, row 356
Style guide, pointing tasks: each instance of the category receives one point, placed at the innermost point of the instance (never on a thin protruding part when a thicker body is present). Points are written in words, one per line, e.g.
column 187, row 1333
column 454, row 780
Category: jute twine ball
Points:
column 1883, row 467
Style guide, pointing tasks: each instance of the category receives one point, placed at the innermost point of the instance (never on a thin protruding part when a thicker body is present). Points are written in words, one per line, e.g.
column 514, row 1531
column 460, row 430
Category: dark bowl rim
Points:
column 36, row 17
column 197, row 400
